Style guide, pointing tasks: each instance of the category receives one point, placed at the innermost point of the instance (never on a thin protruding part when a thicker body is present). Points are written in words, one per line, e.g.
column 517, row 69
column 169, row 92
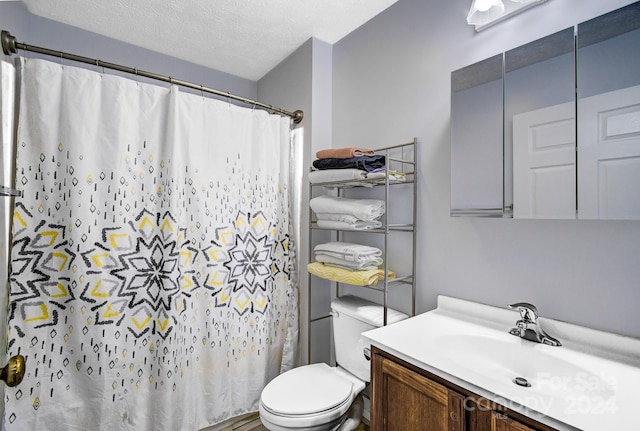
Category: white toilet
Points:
column 318, row 397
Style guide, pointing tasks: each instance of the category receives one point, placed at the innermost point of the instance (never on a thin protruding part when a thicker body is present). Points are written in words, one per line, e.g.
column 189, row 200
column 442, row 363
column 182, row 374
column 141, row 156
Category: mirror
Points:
column 608, row 92
column 517, row 149
column 477, row 175
column 539, row 120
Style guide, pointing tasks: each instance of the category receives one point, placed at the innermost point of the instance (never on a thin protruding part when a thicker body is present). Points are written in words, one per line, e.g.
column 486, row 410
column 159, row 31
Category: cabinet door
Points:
column 502, row 422
column 404, row 400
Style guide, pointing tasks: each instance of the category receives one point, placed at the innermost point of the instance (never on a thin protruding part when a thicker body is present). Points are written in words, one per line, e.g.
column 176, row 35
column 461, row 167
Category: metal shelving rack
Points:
column 401, row 158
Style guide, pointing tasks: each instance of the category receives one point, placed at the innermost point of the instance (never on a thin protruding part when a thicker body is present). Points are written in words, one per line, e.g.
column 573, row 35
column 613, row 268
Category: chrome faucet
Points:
column 528, row 326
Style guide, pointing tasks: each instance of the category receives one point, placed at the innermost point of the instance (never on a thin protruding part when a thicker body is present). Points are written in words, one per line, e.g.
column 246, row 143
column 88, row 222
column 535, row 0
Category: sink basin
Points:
column 507, row 358
column 590, row 383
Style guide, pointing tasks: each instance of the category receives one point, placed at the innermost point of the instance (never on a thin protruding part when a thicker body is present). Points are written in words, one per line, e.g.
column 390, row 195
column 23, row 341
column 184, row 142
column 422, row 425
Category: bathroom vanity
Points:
column 459, row 367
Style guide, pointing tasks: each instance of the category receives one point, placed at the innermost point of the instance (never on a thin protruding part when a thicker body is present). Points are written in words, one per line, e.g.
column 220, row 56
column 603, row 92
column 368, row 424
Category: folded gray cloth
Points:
column 364, row 163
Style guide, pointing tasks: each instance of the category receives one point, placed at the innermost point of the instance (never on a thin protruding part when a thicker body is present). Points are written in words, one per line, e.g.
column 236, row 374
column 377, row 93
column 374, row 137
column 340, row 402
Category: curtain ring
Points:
column 202, row 91
column 135, row 70
column 61, row 58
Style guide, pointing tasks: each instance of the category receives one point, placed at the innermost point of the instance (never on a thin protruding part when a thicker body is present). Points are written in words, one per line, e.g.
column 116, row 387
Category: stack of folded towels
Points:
column 343, row 164
column 350, row 214
column 350, row 164
column 349, row 263
column 349, row 157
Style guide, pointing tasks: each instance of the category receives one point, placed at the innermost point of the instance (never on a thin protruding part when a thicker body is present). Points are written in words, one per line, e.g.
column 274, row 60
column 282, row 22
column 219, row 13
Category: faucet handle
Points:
column 528, row 312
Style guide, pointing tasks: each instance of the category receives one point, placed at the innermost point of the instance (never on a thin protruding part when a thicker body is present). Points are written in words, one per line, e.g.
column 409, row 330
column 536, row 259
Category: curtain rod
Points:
column 11, row 46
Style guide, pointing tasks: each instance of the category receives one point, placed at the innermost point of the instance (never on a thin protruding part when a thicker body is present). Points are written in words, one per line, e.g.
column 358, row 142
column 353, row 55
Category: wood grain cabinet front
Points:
column 502, row 422
column 404, row 400
column 408, row 398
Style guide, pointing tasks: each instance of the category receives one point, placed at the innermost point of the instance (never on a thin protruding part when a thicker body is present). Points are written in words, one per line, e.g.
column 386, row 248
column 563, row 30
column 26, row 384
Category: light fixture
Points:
column 484, row 13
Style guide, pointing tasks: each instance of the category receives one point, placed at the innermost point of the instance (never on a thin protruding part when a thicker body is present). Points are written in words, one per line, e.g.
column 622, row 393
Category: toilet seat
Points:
column 313, row 397
column 307, row 390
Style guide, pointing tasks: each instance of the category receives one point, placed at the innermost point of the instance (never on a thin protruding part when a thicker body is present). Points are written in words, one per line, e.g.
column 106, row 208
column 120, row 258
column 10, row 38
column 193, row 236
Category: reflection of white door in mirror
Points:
column 544, row 174
column 609, row 155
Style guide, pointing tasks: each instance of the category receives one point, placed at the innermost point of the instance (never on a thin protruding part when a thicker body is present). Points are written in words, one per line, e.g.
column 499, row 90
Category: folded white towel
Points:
column 394, row 176
column 348, row 251
column 340, row 225
column 346, row 218
column 330, row 175
column 363, row 209
column 352, row 177
column 372, row 263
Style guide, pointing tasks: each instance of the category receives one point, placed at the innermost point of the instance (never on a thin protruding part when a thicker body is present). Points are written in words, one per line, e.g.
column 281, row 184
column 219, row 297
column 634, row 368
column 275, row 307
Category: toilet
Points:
column 318, row 397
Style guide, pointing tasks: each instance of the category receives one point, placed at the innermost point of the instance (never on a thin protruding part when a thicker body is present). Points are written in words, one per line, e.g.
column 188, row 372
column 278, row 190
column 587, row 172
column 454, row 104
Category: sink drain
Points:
column 521, row 381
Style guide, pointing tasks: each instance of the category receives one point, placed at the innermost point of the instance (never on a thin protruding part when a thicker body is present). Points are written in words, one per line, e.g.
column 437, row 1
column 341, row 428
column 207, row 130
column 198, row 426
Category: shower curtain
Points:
column 152, row 284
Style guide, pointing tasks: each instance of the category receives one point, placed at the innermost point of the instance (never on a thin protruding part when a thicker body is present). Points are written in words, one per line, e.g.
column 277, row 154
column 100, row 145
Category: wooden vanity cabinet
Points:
column 408, row 398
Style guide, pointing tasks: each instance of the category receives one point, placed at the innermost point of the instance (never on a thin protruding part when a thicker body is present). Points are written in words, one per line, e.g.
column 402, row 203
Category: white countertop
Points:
column 590, row 383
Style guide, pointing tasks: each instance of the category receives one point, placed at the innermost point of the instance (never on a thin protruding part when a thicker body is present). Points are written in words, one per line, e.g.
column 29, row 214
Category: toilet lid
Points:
column 306, row 390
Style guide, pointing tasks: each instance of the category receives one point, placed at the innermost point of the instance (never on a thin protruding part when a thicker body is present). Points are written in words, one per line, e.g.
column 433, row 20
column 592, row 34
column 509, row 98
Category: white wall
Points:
column 391, row 82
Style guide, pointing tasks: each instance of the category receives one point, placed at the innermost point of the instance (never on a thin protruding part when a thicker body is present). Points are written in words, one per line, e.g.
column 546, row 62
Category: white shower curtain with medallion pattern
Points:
column 151, row 283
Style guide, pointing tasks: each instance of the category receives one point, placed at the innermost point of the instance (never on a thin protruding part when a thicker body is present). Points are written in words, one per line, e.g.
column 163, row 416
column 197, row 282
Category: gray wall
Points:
column 391, row 82
column 304, row 81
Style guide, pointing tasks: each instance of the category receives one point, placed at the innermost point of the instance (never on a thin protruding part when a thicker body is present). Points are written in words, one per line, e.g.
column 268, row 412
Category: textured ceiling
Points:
column 246, row 38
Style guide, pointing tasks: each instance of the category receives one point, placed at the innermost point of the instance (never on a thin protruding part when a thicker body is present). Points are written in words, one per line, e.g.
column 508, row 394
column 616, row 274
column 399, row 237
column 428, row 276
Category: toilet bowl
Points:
column 312, row 397
column 318, row 397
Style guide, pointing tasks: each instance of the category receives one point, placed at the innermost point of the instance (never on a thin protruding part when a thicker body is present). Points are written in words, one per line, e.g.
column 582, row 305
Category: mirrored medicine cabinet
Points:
column 551, row 129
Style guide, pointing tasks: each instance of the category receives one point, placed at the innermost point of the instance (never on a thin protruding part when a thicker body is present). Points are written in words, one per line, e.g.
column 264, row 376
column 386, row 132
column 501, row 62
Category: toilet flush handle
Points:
column 367, row 353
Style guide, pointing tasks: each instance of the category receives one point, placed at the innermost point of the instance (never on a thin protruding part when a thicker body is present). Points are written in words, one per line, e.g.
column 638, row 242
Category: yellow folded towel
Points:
column 367, row 277
column 344, row 153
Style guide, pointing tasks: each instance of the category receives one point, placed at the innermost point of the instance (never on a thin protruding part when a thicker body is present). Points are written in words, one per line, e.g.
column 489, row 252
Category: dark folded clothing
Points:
column 364, row 163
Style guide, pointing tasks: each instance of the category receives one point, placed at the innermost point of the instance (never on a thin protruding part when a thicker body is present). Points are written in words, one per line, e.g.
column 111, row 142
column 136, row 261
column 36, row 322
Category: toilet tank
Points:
column 351, row 316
